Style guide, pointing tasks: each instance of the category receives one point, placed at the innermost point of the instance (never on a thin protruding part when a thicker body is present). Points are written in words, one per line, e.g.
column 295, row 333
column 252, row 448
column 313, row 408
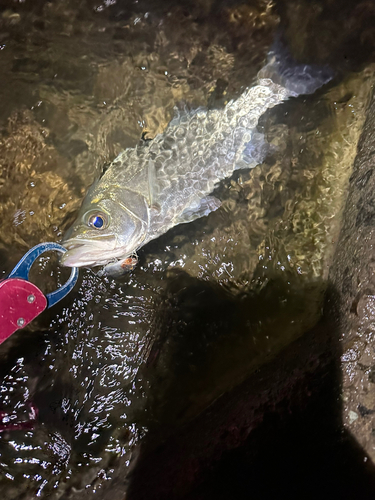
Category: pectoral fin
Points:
column 201, row 209
column 145, row 183
column 151, row 182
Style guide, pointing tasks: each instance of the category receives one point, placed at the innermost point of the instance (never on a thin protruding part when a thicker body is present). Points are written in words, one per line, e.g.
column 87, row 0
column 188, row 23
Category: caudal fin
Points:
column 298, row 78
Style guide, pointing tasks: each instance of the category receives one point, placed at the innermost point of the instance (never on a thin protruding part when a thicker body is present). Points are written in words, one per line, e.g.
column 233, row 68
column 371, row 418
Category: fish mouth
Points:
column 82, row 254
column 69, row 260
column 72, row 246
column 88, row 253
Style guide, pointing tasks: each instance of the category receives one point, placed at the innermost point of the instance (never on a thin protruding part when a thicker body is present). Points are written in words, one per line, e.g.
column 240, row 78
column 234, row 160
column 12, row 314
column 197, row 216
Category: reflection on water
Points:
column 209, row 301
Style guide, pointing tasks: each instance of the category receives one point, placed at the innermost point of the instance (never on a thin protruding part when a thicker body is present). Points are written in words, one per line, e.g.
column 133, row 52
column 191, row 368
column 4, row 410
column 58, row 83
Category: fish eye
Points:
column 97, row 221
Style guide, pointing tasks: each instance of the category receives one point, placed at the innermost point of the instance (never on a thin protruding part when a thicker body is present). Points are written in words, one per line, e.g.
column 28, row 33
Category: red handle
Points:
column 20, row 302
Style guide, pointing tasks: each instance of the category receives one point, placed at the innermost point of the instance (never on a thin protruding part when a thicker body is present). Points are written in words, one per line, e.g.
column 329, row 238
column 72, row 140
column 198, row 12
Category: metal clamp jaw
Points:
column 20, row 300
column 23, row 267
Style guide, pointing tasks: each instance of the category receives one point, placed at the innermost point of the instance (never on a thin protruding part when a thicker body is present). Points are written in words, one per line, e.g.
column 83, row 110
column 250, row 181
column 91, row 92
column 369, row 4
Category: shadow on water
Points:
column 278, row 434
column 300, row 449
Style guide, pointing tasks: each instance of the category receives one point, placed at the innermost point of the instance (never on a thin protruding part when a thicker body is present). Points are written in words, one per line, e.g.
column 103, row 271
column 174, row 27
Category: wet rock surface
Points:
column 353, row 277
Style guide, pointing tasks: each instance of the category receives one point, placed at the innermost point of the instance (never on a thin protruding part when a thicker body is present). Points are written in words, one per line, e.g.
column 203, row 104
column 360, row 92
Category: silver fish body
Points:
column 151, row 188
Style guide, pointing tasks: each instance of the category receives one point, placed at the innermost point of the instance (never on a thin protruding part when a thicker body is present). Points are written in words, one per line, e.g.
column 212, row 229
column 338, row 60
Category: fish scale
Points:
column 220, row 141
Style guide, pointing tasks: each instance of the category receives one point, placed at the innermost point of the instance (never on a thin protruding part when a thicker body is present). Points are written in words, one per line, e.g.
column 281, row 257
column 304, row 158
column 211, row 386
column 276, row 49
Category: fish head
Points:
column 111, row 224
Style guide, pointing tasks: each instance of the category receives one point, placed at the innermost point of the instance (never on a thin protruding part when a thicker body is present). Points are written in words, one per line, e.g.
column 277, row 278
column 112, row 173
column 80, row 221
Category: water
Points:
column 210, row 301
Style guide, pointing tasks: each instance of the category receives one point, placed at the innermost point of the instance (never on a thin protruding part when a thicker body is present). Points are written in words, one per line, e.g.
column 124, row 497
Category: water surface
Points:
column 209, row 301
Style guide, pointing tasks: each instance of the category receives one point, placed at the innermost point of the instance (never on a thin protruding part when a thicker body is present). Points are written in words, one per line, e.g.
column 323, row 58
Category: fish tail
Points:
column 297, row 78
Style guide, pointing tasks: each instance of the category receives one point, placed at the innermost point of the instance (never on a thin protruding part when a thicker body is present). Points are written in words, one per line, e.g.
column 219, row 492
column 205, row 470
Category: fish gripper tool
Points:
column 20, row 300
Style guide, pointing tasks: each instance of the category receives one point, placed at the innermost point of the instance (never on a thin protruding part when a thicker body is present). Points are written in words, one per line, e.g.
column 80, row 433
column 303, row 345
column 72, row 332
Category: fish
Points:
column 169, row 180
